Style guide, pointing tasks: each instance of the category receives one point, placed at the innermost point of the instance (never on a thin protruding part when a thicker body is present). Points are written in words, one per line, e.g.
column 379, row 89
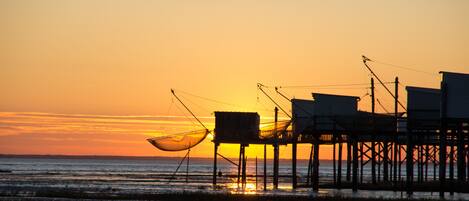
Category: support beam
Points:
column 276, row 152
column 461, row 151
column 265, row 167
column 334, row 166
column 349, row 160
column 215, row 154
column 239, row 163
column 451, row 166
column 373, row 162
column 397, row 149
column 443, row 132
column 385, row 161
column 409, row 164
column 276, row 166
column 361, row 162
column 316, row 166
column 355, row 166
column 373, row 143
column 294, row 148
column 310, row 165
column 339, row 169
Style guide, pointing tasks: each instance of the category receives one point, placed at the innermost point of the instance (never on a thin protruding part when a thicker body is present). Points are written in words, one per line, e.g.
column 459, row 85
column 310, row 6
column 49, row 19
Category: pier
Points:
column 432, row 134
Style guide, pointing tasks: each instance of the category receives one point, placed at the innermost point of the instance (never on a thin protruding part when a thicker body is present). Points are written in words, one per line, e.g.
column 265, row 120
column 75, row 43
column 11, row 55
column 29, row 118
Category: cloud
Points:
column 47, row 133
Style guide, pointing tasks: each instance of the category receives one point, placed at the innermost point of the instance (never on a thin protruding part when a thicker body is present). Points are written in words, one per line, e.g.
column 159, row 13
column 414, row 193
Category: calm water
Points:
column 154, row 175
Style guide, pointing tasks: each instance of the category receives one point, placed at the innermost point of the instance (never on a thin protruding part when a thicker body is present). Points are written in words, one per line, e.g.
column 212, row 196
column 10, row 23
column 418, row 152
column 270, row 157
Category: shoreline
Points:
column 67, row 194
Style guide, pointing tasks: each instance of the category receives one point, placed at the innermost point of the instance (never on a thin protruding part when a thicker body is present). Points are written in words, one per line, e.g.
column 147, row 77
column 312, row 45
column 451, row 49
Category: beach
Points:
column 153, row 178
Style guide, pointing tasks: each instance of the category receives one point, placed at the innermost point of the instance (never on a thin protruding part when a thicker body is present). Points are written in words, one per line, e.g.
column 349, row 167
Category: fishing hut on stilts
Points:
column 411, row 150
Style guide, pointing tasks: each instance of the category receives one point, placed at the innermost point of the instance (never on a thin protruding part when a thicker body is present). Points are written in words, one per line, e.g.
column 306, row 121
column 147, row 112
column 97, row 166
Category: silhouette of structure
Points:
column 435, row 132
column 399, row 148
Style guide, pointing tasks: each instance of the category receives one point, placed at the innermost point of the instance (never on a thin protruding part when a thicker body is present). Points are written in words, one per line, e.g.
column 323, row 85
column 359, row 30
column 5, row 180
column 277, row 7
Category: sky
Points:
column 94, row 77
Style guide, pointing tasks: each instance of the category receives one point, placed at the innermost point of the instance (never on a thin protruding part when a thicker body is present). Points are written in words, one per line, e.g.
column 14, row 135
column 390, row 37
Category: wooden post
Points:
column 379, row 161
column 265, row 167
column 373, row 143
column 349, row 159
column 334, row 161
column 419, row 164
column 316, row 166
column 239, row 162
column 361, row 162
column 215, row 154
column 434, row 162
column 385, row 161
column 373, row 162
column 409, row 164
column 396, row 137
column 461, row 156
column 451, row 166
column 400, row 163
column 443, row 131
column 244, row 168
column 310, row 165
column 427, row 156
column 276, row 153
column 355, row 166
column 339, row 169
column 294, row 148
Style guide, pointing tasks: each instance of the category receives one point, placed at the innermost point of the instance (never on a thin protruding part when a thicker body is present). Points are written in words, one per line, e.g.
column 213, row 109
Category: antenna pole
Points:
column 174, row 94
column 365, row 59
column 259, row 86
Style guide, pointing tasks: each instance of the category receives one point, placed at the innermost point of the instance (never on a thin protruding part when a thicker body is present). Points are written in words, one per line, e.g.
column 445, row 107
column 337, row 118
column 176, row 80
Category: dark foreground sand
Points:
column 66, row 194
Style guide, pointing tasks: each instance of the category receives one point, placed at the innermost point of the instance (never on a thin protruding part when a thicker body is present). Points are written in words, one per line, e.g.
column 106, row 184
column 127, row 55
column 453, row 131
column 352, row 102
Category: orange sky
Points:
column 93, row 77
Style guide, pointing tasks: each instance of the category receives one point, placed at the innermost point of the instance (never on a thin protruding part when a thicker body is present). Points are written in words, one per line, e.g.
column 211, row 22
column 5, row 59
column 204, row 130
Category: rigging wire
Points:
column 209, row 99
column 174, row 94
column 184, row 114
column 214, row 101
column 365, row 59
column 259, row 86
column 382, row 106
column 329, row 85
column 404, row 67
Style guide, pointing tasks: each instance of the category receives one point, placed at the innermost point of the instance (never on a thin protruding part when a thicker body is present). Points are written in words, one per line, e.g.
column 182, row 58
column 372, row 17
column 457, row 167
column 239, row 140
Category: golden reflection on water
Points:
column 249, row 188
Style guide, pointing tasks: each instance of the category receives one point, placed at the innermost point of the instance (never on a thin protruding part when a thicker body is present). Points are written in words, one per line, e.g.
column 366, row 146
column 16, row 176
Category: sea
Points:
column 159, row 175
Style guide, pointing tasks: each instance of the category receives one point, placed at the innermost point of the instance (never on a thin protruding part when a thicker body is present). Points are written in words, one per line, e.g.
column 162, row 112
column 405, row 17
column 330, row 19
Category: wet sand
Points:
column 181, row 196
column 34, row 193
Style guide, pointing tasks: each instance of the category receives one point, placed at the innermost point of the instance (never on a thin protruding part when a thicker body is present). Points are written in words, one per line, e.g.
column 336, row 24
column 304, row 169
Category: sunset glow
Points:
column 94, row 77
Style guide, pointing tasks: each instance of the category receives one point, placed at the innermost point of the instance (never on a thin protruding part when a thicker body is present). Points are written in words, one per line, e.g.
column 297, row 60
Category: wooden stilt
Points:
column 385, row 161
column 334, row 162
column 276, row 164
column 349, row 160
column 396, row 139
column 355, row 166
column 427, row 156
column 239, row 163
column 276, row 153
column 316, row 167
column 310, row 165
column 460, row 150
column 339, row 169
column 373, row 162
column 443, row 133
column 215, row 154
column 409, row 166
column 294, row 148
column 361, row 162
column 265, row 167
column 451, row 167
column 378, row 176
